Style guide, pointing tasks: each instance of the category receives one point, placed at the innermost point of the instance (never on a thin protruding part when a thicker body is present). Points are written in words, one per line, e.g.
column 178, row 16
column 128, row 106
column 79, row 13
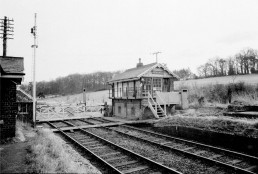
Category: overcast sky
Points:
column 84, row 36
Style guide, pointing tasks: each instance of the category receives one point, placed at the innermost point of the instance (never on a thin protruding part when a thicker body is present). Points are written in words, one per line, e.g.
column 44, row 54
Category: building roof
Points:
column 136, row 73
column 22, row 96
column 12, row 65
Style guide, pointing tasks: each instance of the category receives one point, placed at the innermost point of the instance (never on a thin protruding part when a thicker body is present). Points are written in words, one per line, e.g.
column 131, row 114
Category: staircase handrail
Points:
column 154, row 110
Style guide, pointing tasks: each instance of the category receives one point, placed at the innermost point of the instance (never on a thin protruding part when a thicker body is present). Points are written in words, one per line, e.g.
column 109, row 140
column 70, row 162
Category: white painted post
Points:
column 184, row 100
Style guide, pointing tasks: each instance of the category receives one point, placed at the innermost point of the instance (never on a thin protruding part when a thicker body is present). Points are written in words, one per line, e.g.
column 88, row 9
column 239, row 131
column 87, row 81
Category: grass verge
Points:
column 48, row 153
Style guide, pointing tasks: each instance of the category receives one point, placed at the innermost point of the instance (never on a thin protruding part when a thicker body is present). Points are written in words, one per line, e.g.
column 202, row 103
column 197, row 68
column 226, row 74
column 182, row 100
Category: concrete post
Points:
column 184, row 99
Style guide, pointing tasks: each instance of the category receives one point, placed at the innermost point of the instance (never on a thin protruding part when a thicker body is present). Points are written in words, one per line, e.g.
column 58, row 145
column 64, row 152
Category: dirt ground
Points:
column 13, row 152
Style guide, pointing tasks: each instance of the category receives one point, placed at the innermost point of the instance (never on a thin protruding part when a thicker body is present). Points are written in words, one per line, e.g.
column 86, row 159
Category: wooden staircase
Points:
column 156, row 108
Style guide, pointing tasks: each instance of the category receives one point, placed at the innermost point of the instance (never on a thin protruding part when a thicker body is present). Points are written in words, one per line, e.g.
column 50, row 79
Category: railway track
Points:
column 116, row 159
column 239, row 162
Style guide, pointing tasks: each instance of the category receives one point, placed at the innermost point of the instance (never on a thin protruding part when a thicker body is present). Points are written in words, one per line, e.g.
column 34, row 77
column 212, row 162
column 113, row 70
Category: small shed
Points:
column 11, row 75
column 25, row 105
column 145, row 91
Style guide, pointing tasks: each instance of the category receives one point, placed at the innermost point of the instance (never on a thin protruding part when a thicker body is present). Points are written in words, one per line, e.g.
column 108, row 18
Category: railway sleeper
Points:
column 89, row 142
column 144, row 167
column 125, row 163
column 97, row 148
column 116, row 158
column 165, row 142
column 188, row 148
column 93, row 145
column 235, row 161
column 109, row 154
column 215, row 156
column 252, row 168
column 199, row 152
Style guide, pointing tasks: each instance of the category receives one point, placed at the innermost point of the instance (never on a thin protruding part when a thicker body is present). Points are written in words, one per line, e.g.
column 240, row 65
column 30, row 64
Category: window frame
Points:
column 21, row 109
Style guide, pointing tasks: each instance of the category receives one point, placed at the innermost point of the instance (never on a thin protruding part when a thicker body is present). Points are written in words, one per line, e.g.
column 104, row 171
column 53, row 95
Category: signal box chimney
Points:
column 140, row 64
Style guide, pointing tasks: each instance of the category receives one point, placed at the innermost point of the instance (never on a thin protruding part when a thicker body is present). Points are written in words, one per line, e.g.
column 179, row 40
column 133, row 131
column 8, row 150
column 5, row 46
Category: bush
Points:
column 221, row 93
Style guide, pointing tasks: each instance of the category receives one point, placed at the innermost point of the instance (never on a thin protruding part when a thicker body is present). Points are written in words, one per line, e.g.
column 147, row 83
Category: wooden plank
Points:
column 98, row 147
column 125, row 163
column 89, row 142
column 166, row 142
column 135, row 169
column 235, row 161
column 93, row 145
column 188, row 148
column 252, row 168
column 215, row 156
column 115, row 158
column 199, row 152
column 108, row 154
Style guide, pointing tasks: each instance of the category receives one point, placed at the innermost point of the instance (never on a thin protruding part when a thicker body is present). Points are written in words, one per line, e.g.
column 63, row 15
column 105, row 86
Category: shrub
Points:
column 221, row 93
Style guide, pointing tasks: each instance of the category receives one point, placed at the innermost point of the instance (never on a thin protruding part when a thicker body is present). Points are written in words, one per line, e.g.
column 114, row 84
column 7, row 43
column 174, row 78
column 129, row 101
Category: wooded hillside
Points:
column 72, row 84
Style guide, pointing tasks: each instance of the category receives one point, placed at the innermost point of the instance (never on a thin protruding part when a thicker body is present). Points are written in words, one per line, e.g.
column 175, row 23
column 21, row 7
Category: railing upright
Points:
column 126, row 89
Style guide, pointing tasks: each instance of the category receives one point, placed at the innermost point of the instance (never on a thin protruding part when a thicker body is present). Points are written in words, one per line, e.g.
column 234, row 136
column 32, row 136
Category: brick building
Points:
column 11, row 74
column 146, row 91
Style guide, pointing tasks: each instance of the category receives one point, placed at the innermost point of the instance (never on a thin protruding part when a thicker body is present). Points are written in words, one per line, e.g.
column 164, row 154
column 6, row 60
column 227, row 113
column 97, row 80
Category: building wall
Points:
column 127, row 108
column 8, row 108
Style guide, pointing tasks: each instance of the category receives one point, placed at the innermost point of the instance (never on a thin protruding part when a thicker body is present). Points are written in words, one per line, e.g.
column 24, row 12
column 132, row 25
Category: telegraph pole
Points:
column 6, row 29
column 34, row 46
column 156, row 53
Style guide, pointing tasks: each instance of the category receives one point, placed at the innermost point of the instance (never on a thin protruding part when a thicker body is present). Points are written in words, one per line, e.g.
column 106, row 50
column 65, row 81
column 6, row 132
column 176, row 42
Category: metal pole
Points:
column 34, row 71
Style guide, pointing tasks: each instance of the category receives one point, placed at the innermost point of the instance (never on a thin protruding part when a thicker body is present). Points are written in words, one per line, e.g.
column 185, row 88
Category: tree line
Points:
column 244, row 62
column 72, row 84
